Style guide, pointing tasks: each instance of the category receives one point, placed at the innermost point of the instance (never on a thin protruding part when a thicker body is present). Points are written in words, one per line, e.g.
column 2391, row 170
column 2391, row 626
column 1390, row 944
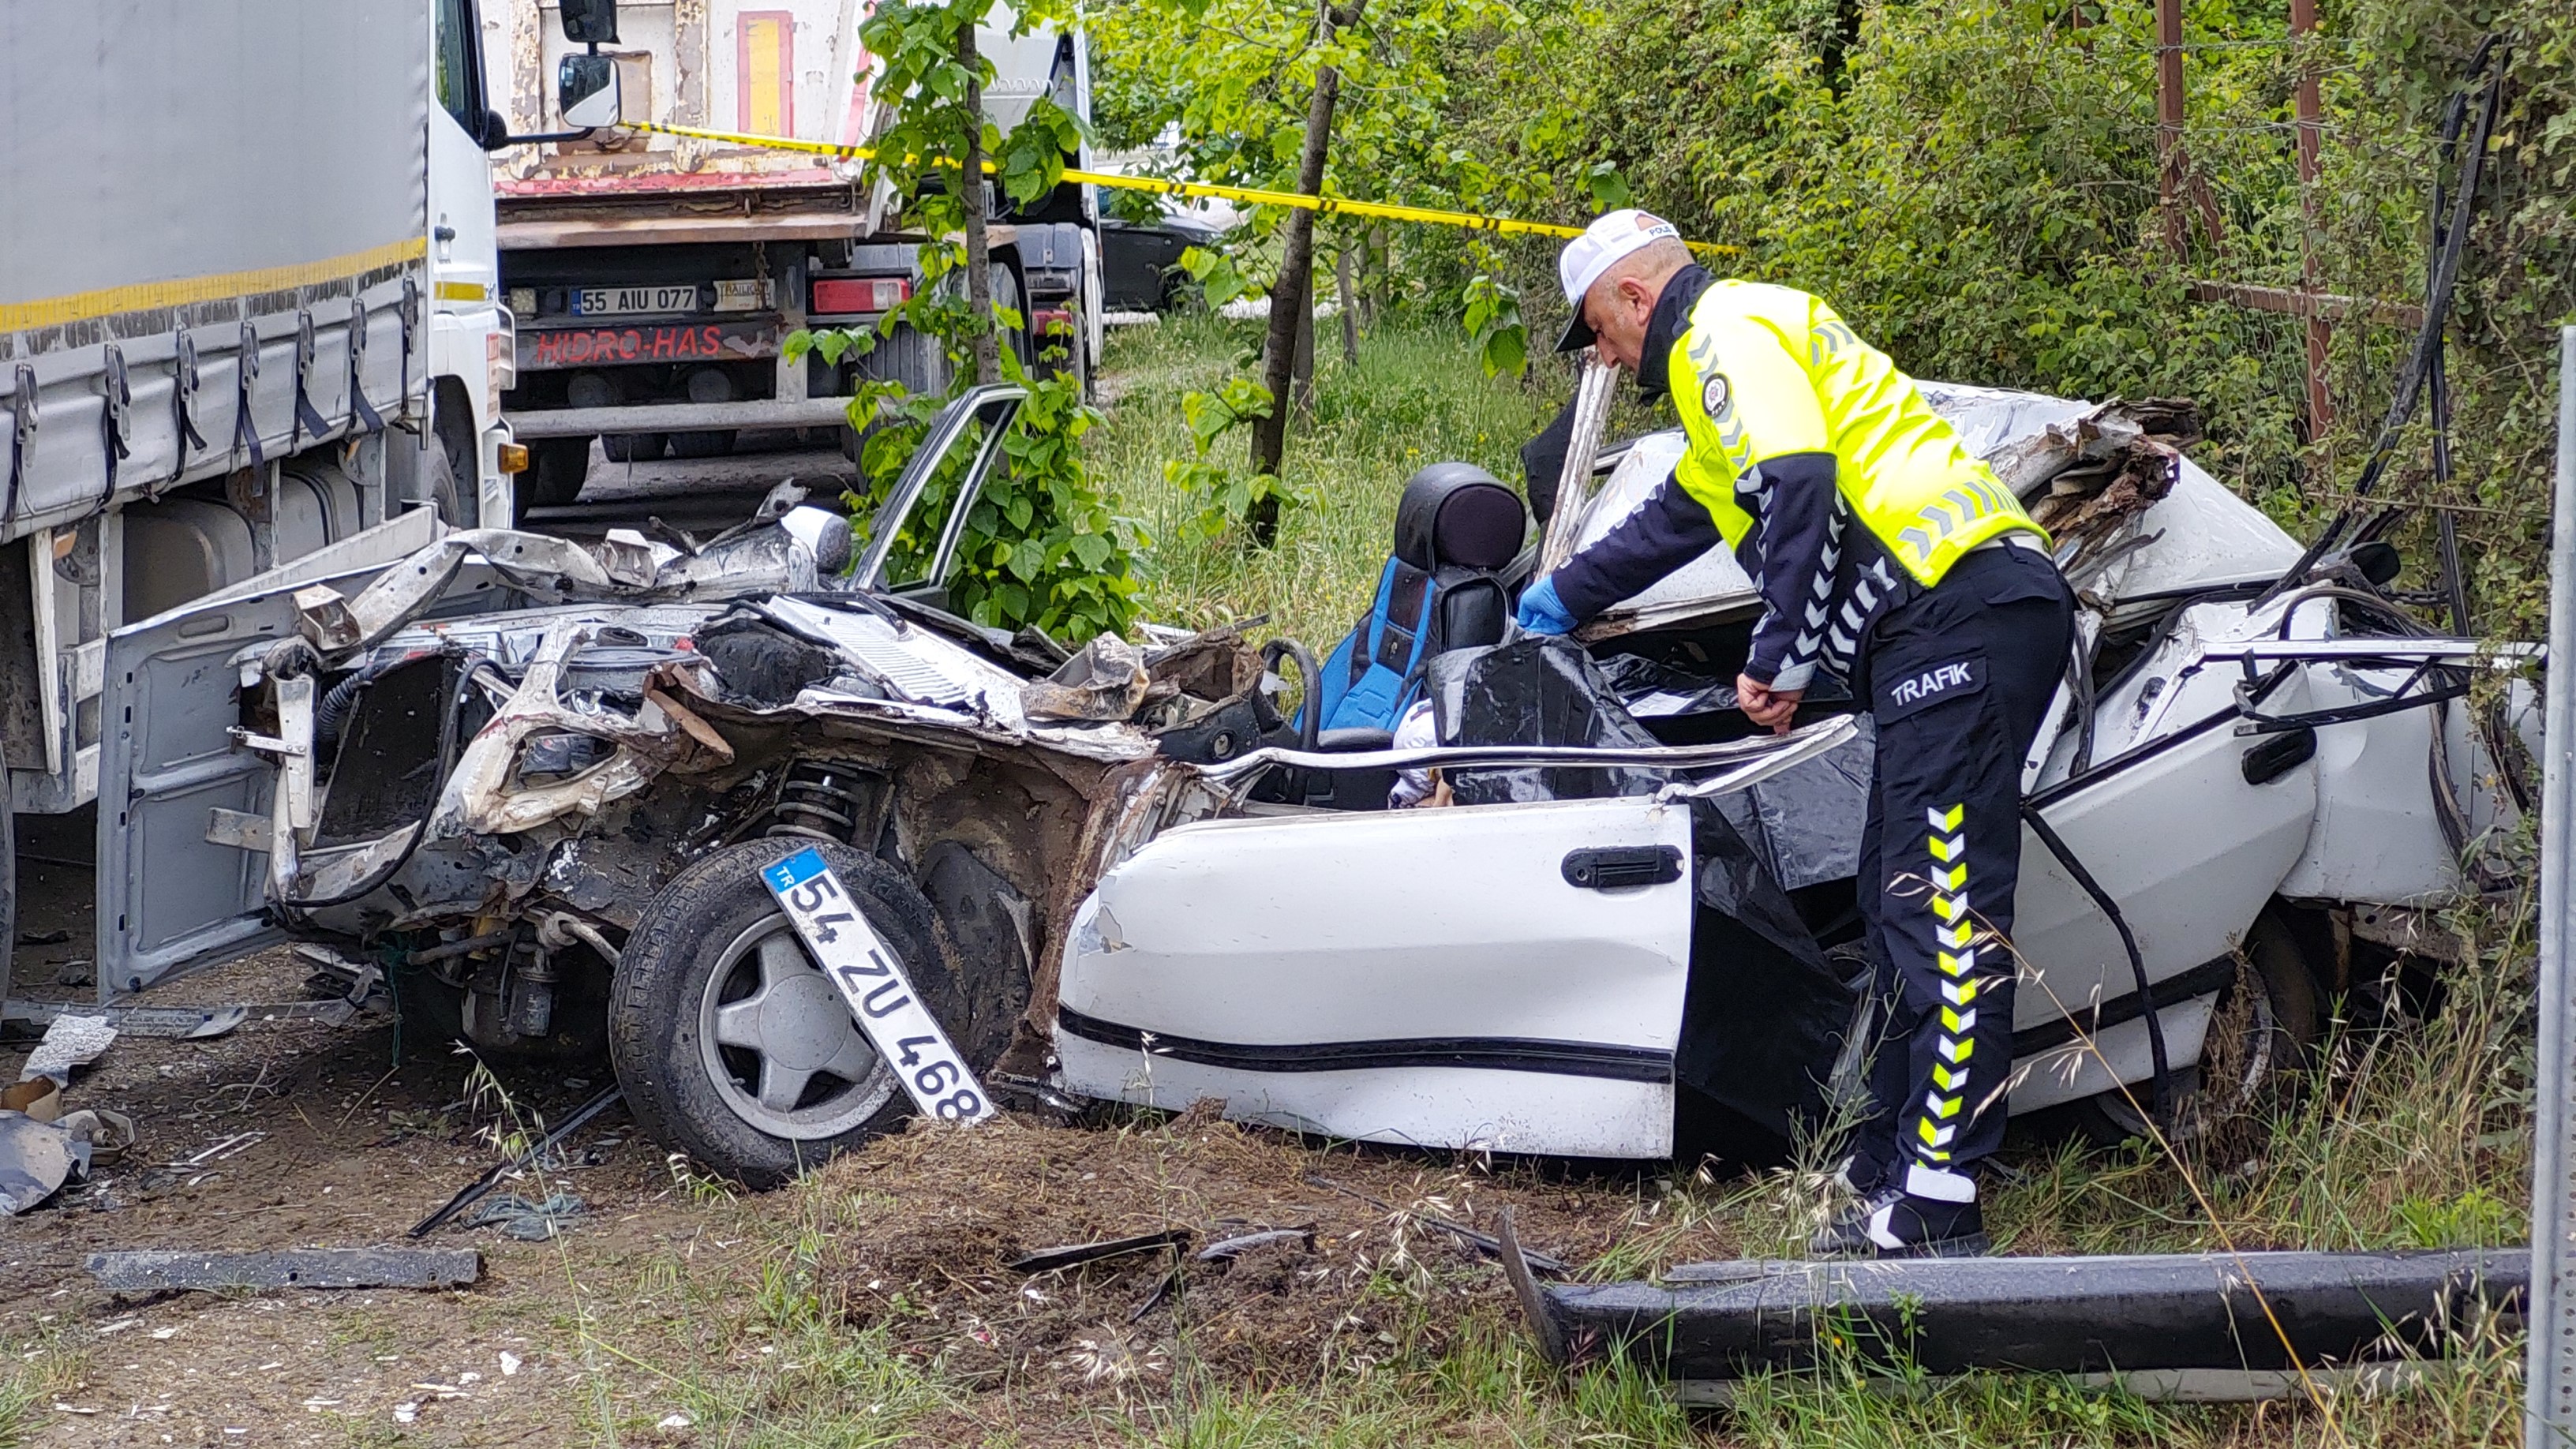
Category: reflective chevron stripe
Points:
column 1946, row 841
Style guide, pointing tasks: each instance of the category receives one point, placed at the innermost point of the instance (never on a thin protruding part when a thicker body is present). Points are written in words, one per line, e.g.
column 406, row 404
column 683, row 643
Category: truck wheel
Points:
column 449, row 485
column 732, row 1044
column 634, row 447
column 2259, row 1039
column 557, row 467
column 712, row 443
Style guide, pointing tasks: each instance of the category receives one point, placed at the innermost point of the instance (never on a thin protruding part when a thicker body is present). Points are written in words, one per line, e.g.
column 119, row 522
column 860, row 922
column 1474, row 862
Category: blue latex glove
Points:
column 1542, row 612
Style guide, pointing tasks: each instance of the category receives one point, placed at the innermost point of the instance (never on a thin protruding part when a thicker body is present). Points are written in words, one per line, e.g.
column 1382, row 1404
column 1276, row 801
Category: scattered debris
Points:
column 70, row 1041
column 1485, row 1243
column 1074, row 1255
column 509, row 1363
column 43, row 938
column 530, row 1222
column 676, row 1421
column 232, row 1146
column 37, row 1155
column 195, row 1022
column 473, row 1192
column 1229, row 1249
column 154, row 1271
column 38, row 1097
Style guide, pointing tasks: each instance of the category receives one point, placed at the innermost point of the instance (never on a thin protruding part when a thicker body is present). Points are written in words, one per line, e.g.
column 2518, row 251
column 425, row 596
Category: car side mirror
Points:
column 590, row 22
column 586, row 89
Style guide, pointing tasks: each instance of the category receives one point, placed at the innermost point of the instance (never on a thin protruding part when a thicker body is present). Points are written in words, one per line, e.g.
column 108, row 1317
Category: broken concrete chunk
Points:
column 161, row 1272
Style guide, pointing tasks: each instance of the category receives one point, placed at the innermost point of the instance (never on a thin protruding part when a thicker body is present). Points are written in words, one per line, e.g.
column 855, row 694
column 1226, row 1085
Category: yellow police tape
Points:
column 1248, row 195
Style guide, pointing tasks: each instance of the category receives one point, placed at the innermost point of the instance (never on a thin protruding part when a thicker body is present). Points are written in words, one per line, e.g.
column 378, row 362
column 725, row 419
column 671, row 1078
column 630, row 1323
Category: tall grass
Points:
column 1415, row 397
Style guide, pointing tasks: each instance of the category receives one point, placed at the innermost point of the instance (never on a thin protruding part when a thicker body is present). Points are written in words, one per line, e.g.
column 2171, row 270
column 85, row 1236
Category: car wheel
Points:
column 732, row 1044
column 557, row 467
column 2258, row 1041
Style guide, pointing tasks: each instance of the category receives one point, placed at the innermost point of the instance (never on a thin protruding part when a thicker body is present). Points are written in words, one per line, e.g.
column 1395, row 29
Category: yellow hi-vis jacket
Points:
column 1768, row 371
column 1796, row 427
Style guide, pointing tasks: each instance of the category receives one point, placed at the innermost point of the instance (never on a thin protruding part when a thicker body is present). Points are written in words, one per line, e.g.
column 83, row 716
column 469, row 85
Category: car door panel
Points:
column 170, row 898
column 1425, row 976
column 2189, row 849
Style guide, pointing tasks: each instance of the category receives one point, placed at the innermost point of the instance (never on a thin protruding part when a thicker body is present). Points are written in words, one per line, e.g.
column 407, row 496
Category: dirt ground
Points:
column 665, row 1296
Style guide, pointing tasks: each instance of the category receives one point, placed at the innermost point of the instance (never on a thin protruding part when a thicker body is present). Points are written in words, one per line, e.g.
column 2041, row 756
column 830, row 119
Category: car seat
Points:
column 1458, row 555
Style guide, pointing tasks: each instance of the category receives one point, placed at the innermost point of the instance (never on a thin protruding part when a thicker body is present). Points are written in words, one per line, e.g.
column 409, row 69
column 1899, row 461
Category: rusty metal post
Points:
column 2303, row 29
column 2549, row 1403
column 2169, row 161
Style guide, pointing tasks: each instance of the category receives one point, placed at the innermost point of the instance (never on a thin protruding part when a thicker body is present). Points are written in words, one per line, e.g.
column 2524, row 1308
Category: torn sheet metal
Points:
column 70, row 1041
column 1104, row 680
column 2261, row 1311
column 480, row 798
column 197, row 1022
column 624, row 567
column 153, row 1271
column 36, row 1158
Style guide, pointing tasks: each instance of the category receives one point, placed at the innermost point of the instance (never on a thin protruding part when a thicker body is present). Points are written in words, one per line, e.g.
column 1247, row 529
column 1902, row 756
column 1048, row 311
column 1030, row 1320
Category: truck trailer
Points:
column 251, row 332
column 655, row 276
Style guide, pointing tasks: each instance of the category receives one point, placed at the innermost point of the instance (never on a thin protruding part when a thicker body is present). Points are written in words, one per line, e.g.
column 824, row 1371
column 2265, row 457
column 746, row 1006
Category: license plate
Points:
column 633, row 301
column 558, row 347
column 880, row 995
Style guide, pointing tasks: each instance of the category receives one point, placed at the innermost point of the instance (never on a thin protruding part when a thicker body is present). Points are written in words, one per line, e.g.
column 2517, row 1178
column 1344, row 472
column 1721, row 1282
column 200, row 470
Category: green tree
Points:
column 1040, row 546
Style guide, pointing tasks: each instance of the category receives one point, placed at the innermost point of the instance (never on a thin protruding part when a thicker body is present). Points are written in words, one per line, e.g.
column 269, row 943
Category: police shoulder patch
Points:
column 1714, row 394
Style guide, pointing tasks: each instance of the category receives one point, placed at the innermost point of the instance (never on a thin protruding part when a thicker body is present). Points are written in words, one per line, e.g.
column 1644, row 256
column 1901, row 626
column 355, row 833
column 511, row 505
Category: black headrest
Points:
column 1456, row 513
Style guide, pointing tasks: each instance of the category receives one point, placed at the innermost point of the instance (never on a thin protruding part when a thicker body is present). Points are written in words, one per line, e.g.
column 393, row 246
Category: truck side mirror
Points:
column 586, row 90
column 590, row 22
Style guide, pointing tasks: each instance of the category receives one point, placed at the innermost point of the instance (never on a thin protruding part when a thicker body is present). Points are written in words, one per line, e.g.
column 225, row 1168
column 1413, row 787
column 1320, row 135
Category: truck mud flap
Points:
column 2295, row 1311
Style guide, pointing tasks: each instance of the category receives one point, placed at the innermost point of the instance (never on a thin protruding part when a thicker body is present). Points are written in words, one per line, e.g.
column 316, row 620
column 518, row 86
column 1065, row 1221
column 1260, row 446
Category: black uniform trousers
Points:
column 1958, row 679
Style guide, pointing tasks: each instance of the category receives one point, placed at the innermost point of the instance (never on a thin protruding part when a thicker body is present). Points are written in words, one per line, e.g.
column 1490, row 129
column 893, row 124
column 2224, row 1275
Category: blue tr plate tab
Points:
column 794, row 871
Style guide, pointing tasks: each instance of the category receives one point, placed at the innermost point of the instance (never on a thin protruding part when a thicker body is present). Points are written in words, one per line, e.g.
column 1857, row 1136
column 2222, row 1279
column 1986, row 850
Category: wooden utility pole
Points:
column 2169, row 162
column 2175, row 182
column 2303, row 29
column 1293, row 298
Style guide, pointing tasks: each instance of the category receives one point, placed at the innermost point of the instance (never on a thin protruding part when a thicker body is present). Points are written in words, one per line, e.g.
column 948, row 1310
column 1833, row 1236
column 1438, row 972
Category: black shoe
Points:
column 1894, row 1224
column 1846, row 1233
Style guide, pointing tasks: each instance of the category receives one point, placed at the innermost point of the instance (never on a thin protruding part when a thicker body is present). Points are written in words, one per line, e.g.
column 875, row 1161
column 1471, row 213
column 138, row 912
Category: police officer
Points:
column 1885, row 553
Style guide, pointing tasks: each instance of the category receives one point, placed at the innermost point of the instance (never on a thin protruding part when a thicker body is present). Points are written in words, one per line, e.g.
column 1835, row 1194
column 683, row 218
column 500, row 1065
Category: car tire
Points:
column 2260, row 1038
column 557, row 467
column 715, row 938
column 635, row 447
column 709, row 443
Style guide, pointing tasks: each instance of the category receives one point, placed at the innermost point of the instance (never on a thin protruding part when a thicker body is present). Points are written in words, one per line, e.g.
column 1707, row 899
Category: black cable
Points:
column 2439, row 279
column 2162, row 1093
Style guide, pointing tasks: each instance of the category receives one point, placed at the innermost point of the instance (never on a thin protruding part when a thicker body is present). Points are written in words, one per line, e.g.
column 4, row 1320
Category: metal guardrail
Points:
column 2550, row 1406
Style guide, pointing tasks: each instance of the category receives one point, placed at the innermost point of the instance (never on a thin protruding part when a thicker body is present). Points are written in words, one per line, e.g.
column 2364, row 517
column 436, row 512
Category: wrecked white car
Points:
column 533, row 786
column 2245, row 800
